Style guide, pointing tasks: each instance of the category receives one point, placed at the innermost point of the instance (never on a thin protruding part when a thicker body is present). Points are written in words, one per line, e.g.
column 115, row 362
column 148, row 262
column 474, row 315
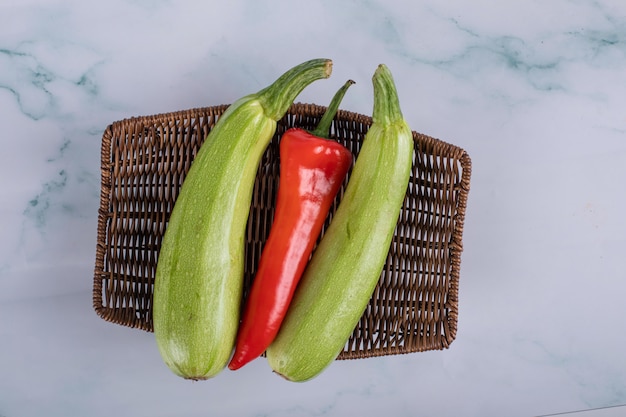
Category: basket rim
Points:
column 438, row 146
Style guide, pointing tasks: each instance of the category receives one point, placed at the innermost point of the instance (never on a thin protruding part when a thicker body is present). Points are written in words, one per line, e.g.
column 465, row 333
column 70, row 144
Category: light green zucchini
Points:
column 345, row 268
column 199, row 277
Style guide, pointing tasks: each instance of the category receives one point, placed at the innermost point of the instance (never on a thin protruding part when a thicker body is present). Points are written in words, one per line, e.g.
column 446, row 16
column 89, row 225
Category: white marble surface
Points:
column 534, row 91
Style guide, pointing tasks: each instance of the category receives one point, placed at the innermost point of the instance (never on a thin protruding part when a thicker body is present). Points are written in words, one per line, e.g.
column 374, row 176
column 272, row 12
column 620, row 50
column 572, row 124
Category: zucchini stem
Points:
column 386, row 103
column 278, row 97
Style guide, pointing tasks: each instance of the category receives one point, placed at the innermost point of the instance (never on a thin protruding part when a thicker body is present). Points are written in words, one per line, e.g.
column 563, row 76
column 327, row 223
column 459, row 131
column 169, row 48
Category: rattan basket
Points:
column 144, row 162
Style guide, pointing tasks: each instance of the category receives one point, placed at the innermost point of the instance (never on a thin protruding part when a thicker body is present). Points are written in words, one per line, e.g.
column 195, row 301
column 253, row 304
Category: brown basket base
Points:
column 144, row 162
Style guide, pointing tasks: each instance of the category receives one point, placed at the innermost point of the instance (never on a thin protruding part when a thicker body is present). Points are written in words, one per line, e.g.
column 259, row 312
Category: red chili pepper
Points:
column 312, row 169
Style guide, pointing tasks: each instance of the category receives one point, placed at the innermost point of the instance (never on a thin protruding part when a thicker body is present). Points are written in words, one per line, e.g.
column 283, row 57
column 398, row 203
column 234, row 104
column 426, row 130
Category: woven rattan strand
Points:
column 144, row 161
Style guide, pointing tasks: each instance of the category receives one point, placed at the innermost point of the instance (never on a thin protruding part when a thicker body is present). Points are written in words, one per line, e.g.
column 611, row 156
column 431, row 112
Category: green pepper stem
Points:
column 279, row 96
column 386, row 102
column 323, row 128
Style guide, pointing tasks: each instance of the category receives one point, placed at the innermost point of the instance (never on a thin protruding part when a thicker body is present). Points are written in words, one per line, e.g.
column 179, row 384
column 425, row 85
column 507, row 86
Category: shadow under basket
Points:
column 144, row 161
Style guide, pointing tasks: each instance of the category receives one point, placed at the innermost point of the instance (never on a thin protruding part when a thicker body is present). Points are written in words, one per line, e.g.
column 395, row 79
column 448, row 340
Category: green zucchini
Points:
column 199, row 277
column 345, row 268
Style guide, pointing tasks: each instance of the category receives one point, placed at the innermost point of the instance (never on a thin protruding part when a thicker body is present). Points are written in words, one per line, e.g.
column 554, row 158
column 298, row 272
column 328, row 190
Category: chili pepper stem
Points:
column 323, row 128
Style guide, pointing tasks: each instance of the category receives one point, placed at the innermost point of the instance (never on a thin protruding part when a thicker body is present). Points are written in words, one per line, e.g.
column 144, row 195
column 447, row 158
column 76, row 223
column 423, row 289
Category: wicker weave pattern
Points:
column 144, row 162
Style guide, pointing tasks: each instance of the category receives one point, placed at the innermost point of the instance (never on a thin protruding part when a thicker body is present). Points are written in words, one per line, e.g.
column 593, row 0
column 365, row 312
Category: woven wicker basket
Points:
column 144, row 162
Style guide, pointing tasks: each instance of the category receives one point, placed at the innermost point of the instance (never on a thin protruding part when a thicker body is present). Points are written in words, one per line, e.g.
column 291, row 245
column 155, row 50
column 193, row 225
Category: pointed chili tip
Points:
column 234, row 365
